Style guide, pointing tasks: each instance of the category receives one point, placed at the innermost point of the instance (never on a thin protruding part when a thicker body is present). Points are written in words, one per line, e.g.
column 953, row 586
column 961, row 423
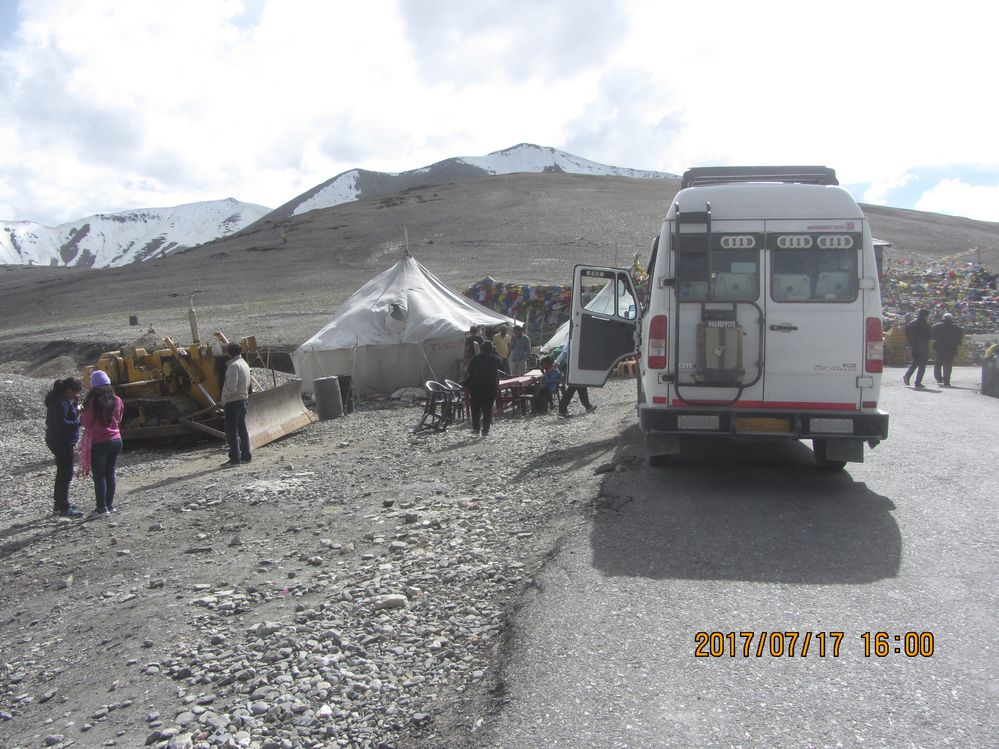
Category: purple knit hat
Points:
column 99, row 377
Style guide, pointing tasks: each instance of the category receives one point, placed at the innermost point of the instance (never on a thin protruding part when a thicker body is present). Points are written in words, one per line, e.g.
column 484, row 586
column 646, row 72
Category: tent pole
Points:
column 353, row 364
column 427, row 360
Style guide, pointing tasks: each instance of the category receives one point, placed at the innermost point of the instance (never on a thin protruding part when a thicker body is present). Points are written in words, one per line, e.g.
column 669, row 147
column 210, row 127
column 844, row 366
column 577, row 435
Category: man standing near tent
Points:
column 473, row 343
column 501, row 342
column 520, row 352
column 482, row 382
column 235, row 394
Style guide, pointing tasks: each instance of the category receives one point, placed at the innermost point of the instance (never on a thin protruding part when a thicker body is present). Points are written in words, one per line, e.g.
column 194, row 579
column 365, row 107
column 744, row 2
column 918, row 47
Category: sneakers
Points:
column 905, row 379
column 229, row 464
column 99, row 513
column 71, row 512
column 112, row 508
column 919, row 386
column 476, row 432
column 564, row 414
column 590, row 409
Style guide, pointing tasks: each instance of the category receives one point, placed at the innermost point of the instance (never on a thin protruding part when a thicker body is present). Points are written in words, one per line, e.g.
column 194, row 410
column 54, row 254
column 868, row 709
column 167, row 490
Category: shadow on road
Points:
column 757, row 512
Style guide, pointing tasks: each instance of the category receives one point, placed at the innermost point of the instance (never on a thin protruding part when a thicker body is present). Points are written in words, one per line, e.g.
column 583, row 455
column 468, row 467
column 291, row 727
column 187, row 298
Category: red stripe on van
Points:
column 659, row 400
column 773, row 404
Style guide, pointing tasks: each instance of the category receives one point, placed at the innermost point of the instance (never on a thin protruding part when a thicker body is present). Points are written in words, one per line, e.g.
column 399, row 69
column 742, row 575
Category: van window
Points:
column 813, row 267
column 608, row 293
column 734, row 273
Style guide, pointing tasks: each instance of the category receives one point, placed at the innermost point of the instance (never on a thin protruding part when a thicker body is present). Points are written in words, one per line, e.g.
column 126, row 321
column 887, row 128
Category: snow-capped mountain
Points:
column 113, row 239
column 357, row 184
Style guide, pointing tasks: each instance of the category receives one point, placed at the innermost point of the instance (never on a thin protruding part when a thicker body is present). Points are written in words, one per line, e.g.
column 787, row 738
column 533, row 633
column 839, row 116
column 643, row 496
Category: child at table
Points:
column 547, row 386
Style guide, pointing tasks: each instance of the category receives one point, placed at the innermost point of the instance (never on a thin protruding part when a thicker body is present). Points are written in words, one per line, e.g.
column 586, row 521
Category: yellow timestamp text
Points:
column 795, row 644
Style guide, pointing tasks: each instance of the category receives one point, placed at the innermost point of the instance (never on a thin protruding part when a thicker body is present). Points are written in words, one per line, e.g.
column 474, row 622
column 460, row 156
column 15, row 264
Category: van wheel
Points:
column 819, row 448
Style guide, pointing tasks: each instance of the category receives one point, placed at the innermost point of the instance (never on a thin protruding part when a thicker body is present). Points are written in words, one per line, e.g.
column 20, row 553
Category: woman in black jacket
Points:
column 62, row 431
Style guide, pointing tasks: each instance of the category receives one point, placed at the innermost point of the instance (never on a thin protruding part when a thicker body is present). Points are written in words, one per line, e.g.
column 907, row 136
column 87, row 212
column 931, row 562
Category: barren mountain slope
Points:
column 283, row 280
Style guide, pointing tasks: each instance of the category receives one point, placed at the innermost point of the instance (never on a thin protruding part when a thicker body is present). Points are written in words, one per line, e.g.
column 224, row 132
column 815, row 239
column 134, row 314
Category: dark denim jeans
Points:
column 103, row 457
column 918, row 366
column 64, row 475
column 235, row 432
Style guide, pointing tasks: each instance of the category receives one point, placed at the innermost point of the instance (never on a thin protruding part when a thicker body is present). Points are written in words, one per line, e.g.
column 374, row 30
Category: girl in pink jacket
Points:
column 101, row 416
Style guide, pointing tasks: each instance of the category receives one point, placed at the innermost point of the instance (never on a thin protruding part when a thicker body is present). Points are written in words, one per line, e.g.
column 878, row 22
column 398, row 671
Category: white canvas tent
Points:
column 602, row 303
column 402, row 328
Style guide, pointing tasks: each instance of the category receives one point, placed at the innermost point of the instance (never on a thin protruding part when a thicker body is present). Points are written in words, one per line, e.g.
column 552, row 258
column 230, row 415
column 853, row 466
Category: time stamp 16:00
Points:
column 792, row 644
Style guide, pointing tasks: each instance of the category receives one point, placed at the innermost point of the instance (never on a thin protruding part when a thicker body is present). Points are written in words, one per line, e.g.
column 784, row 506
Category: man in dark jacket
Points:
column 946, row 340
column 918, row 334
column 473, row 342
column 484, row 371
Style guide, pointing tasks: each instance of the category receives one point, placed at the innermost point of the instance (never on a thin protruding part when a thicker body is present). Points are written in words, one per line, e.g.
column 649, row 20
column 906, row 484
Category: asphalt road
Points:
column 753, row 538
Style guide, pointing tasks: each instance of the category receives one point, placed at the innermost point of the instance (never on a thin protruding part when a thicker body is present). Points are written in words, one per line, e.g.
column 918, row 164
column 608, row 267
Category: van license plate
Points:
column 761, row 424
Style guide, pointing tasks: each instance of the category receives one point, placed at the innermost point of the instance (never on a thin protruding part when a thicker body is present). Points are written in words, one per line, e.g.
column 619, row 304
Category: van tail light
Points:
column 874, row 345
column 657, row 342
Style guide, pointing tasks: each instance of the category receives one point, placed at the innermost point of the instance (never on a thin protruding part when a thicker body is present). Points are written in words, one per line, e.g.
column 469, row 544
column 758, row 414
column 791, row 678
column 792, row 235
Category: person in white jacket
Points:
column 235, row 393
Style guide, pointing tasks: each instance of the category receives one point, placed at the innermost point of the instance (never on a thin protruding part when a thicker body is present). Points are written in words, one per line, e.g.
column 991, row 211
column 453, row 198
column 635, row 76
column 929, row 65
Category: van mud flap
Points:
column 273, row 413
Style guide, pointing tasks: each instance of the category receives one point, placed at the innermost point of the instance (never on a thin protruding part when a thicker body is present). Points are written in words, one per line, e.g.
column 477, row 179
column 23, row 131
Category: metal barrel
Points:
column 326, row 391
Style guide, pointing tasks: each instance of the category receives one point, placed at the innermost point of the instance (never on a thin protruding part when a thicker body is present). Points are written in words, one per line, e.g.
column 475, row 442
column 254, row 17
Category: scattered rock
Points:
column 389, row 601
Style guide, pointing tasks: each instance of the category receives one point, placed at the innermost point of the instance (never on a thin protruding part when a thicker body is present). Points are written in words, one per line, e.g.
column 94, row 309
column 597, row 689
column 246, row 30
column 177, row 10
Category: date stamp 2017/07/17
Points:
column 794, row 644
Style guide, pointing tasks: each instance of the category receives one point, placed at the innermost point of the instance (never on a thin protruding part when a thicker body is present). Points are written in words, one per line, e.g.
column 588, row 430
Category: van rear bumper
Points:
column 765, row 423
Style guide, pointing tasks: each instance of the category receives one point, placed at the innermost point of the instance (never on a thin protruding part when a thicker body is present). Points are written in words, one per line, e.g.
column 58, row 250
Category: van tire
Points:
column 819, row 448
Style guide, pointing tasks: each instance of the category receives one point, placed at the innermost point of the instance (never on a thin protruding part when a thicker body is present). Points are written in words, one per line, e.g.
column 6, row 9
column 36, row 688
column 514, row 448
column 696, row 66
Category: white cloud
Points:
column 116, row 105
column 877, row 192
column 957, row 198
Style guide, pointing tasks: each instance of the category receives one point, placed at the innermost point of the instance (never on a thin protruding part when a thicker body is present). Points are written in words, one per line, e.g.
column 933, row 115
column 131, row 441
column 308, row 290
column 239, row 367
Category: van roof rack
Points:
column 719, row 175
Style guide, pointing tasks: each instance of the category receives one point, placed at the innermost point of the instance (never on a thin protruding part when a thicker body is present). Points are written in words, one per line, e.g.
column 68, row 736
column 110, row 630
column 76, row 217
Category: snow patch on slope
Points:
column 114, row 239
column 524, row 157
column 342, row 190
column 530, row 158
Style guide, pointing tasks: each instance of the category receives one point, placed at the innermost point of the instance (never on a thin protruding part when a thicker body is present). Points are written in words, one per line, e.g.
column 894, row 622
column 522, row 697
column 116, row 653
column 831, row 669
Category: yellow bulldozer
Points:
column 172, row 392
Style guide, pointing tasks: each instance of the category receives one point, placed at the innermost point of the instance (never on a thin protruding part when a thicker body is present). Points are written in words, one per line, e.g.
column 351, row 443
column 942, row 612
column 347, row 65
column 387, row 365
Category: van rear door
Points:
column 603, row 323
column 814, row 347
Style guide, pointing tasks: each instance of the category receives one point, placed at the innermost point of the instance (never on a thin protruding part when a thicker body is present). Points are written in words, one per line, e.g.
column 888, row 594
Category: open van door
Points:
column 604, row 323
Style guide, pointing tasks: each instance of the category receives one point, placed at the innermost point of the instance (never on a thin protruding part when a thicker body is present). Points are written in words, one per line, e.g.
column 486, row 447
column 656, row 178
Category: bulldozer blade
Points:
column 271, row 414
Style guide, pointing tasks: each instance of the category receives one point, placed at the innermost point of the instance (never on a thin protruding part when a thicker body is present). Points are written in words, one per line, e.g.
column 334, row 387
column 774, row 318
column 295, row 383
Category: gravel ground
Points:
column 352, row 587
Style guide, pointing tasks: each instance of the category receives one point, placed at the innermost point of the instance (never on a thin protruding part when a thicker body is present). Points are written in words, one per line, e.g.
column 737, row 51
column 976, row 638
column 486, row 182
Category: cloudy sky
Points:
column 107, row 105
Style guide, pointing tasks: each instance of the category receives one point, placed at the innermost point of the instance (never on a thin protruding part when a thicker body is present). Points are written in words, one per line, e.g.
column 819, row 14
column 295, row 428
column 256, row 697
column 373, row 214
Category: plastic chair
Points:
column 692, row 290
column 735, row 286
column 456, row 394
column 834, row 284
column 437, row 413
column 792, row 286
